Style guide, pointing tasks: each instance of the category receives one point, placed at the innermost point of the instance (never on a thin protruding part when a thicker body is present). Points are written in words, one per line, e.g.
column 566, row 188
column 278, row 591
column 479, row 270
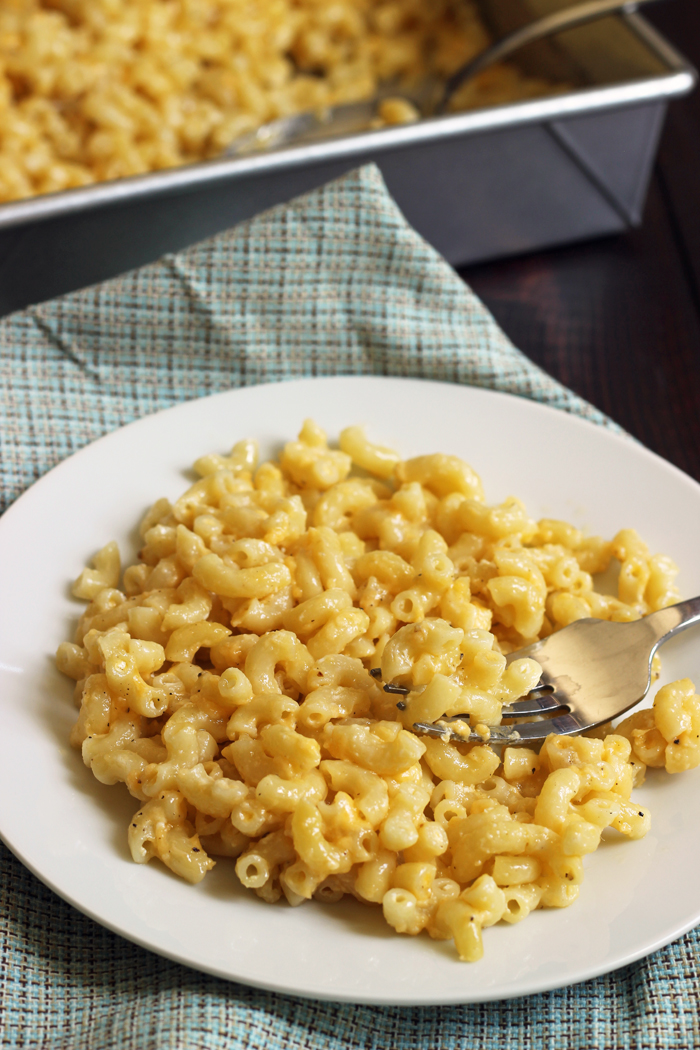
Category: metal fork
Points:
column 592, row 671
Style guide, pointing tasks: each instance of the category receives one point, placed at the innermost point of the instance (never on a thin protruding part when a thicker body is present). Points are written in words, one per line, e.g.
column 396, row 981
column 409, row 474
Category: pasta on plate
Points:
column 233, row 680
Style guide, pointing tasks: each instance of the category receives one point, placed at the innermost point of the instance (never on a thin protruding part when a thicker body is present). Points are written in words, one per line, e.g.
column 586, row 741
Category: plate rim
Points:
column 536, row 987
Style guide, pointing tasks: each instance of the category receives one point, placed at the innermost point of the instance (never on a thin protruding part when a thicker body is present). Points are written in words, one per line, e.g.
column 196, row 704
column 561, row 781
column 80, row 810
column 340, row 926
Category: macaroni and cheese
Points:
column 99, row 89
column 233, row 679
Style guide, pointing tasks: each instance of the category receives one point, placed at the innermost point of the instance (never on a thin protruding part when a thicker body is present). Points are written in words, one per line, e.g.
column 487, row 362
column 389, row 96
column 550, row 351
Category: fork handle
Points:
column 671, row 621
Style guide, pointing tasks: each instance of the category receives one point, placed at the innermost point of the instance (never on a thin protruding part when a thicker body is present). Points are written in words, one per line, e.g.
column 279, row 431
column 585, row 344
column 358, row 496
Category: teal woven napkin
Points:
column 335, row 283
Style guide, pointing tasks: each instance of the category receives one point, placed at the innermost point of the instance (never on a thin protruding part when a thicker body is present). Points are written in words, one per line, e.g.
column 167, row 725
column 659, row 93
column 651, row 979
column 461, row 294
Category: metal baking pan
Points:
column 478, row 185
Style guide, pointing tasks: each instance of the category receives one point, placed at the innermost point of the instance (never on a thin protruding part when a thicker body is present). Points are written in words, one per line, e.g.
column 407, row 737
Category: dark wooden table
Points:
column 618, row 320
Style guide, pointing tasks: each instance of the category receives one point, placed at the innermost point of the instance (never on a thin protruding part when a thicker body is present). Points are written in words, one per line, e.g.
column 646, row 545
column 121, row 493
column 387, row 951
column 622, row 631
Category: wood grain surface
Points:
column 618, row 320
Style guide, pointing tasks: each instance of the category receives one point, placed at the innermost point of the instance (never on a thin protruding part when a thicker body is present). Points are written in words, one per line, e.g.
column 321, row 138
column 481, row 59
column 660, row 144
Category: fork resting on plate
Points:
column 592, row 671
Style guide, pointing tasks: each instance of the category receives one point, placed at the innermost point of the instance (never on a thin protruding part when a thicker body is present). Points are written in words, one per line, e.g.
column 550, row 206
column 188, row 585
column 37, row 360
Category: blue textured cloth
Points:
column 334, row 283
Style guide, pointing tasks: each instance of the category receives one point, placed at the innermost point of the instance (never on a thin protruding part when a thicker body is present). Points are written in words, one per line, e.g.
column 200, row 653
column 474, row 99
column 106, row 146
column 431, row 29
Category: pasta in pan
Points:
column 93, row 90
column 234, row 680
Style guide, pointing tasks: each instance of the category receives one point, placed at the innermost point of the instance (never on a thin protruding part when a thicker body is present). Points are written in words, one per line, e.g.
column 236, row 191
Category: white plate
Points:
column 71, row 831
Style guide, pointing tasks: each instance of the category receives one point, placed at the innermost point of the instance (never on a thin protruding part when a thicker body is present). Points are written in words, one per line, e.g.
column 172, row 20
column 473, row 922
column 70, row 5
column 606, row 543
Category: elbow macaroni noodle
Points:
column 100, row 89
column 226, row 680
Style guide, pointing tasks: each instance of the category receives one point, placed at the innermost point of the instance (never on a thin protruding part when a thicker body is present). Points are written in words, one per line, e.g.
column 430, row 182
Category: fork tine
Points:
column 561, row 725
column 523, row 733
column 533, row 704
column 499, row 734
column 529, row 705
column 536, row 702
